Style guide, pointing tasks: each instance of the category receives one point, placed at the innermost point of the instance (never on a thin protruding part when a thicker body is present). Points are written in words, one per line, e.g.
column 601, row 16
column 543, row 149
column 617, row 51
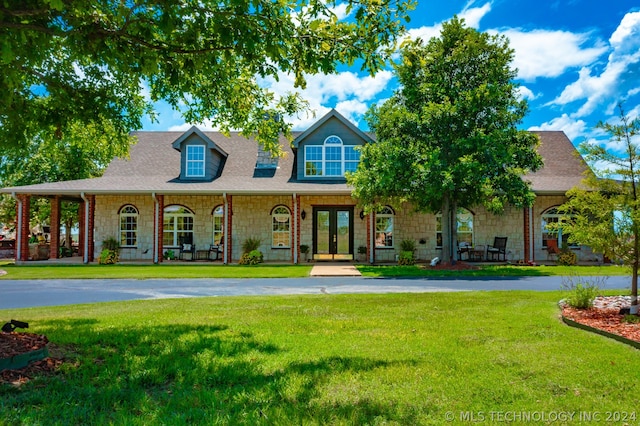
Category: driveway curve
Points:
column 34, row 293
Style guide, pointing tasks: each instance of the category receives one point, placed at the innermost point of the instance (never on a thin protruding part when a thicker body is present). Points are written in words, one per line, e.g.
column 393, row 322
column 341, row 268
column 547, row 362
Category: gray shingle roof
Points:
column 154, row 166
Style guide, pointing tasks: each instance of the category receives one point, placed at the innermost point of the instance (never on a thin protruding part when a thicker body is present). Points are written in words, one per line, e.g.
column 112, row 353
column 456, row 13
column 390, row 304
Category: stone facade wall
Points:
column 584, row 253
column 107, row 224
column 252, row 219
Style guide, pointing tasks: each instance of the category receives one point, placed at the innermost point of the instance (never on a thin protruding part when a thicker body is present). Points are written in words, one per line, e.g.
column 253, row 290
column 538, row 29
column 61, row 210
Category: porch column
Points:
column 528, row 235
column 371, row 240
column 89, row 224
column 228, row 214
column 296, row 228
column 54, row 227
column 81, row 230
column 158, row 241
column 23, row 215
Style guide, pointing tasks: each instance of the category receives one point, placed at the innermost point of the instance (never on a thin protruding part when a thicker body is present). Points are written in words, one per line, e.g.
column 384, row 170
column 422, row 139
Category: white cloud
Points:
column 348, row 92
column 526, row 93
column 610, row 83
column 340, row 10
column 544, row 53
column 571, row 127
column 473, row 15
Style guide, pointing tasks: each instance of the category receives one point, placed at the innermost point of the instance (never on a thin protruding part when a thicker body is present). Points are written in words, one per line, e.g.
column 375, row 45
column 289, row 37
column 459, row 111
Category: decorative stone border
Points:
column 617, row 337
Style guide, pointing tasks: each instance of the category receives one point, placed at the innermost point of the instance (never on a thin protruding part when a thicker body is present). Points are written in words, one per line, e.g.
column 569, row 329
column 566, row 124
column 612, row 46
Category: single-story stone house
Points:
column 207, row 189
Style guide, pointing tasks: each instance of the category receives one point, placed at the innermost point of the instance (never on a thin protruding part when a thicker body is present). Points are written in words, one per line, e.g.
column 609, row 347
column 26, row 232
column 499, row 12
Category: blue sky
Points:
column 576, row 60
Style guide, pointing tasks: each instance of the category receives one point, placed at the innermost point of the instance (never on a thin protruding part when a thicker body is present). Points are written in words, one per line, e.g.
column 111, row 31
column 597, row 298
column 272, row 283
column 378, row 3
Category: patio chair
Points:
column 552, row 249
column 498, row 248
column 187, row 247
column 214, row 252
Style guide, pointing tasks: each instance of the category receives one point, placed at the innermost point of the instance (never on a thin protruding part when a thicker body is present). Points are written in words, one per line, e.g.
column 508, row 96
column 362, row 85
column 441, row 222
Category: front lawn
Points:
column 174, row 270
column 184, row 270
column 342, row 359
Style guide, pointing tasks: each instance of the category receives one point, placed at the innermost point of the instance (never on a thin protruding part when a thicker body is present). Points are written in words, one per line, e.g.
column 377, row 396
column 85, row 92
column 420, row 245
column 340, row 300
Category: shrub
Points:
column 108, row 257
column 250, row 244
column 362, row 250
column 582, row 291
column 304, row 249
column 169, row 255
column 632, row 319
column 407, row 245
column 567, row 258
column 252, row 258
column 406, row 258
column 110, row 253
column 111, row 244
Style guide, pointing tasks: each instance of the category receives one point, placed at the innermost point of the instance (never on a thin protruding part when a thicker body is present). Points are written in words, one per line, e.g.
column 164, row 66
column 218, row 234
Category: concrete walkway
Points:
column 334, row 270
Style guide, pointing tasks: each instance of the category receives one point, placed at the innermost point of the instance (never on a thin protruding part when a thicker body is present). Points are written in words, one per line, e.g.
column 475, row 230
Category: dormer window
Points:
column 195, row 161
column 332, row 159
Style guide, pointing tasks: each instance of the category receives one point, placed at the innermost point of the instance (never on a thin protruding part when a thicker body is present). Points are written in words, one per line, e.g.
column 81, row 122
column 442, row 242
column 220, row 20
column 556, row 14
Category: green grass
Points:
column 175, row 270
column 181, row 270
column 394, row 359
column 493, row 271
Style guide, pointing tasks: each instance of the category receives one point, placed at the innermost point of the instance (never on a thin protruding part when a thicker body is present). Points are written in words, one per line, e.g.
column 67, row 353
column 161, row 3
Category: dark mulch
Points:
column 12, row 344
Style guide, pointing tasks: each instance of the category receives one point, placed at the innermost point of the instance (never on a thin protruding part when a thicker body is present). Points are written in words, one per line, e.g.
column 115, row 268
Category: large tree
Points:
column 448, row 135
column 83, row 152
column 80, row 61
column 605, row 213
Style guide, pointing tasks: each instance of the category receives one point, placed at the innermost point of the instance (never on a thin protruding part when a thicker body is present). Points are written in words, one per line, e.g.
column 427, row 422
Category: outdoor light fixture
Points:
column 303, row 215
column 361, row 214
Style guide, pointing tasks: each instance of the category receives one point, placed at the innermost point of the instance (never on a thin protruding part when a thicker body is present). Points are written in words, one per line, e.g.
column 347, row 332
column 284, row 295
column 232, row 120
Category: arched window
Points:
column 384, row 227
column 333, row 158
column 552, row 215
column 128, row 226
column 218, row 225
column 280, row 227
column 177, row 226
column 464, row 223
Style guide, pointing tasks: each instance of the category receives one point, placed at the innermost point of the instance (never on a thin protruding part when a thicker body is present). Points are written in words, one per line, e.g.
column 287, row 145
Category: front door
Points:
column 333, row 233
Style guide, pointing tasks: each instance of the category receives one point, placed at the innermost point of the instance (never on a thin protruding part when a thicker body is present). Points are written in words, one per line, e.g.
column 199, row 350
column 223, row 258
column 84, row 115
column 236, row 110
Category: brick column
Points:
column 92, row 217
column 81, row 226
column 23, row 218
column 54, row 225
column 228, row 237
column 158, row 240
column 371, row 250
column 529, row 241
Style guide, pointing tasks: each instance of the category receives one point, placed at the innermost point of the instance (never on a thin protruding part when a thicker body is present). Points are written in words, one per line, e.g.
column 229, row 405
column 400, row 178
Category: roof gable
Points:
column 333, row 114
column 177, row 144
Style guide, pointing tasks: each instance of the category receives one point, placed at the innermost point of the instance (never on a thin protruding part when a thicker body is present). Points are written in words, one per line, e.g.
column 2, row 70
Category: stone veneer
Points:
column 252, row 219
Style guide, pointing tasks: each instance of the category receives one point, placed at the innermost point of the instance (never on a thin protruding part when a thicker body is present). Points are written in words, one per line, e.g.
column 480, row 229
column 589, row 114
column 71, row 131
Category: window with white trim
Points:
column 177, row 225
column 384, row 227
column 195, row 161
column 128, row 226
column 281, row 227
column 332, row 159
column 218, row 225
column 464, row 224
column 549, row 216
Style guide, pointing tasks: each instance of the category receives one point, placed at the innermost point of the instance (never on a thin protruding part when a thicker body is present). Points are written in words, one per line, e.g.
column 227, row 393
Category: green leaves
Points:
column 449, row 133
column 75, row 61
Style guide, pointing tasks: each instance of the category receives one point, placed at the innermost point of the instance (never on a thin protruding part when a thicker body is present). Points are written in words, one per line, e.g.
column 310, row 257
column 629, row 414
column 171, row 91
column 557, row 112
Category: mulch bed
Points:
column 12, row 344
column 609, row 320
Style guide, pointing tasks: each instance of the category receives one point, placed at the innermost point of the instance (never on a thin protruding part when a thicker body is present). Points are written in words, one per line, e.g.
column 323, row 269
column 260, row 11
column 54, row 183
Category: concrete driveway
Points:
column 34, row 293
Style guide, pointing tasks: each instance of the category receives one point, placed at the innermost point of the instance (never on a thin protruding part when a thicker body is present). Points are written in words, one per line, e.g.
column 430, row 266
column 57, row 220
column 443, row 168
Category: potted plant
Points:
column 169, row 255
column 110, row 253
column 251, row 255
column 304, row 249
column 407, row 249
